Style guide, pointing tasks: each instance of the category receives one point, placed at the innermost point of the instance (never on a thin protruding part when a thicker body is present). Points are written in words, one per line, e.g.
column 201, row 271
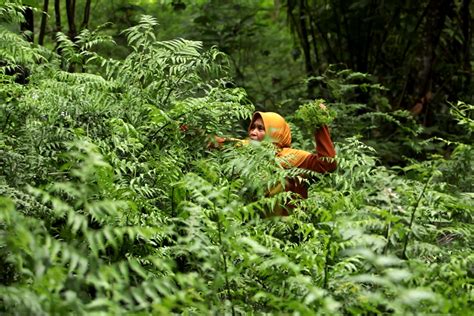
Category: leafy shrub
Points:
column 109, row 206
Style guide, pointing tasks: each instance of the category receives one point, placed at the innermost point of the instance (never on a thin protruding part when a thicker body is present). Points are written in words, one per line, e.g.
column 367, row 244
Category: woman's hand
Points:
column 215, row 142
column 315, row 114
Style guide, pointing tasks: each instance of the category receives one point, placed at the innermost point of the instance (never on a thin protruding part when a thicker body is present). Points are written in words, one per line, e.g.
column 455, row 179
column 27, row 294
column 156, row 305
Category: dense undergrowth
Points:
column 110, row 206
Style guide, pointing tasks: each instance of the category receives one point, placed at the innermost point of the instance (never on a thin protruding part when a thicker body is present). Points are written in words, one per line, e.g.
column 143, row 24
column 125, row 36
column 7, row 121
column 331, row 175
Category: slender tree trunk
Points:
column 304, row 38
column 57, row 15
column 293, row 21
column 332, row 57
column 28, row 27
column 314, row 38
column 71, row 16
column 306, row 46
column 433, row 27
column 87, row 12
column 467, row 33
column 57, row 25
column 415, row 31
column 44, row 19
column 338, row 30
column 71, row 20
column 296, row 14
column 276, row 10
column 344, row 18
column 435, row 18
column 380, row 47
column 408, row 46
column 364, row 66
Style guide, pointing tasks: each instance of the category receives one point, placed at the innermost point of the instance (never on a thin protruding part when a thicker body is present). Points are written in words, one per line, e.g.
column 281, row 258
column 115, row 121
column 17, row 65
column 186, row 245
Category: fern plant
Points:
column 112, row 203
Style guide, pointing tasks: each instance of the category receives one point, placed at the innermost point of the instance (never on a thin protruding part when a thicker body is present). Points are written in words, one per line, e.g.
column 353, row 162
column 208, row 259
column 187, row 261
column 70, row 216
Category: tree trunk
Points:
column 466, row 31
column 276, row 9
column 369, row 38
column 331, row 57
column 57, row 14
column 28, row 27
column 314, row 39
column 298, row 22
column 380, row 48
column 304, row 38
column 44, row 19
column 435, row 18
column 87, row 12
column 344, row 18
column 71, row 16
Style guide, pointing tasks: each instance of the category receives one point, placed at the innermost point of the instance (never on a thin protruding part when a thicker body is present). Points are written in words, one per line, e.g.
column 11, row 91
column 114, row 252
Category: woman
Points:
column 274, row 126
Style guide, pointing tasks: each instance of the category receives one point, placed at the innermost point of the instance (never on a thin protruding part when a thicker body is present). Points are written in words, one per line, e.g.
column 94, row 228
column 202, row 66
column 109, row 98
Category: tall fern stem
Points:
column 388, row 227
column 326, row 260
column 412, row 218
column 224, row 258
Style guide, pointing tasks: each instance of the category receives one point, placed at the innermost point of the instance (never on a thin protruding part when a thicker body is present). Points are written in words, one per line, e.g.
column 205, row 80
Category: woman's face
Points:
column 257, row 130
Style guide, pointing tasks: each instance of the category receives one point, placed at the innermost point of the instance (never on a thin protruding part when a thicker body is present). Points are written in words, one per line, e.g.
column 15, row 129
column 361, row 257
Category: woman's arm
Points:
column 323, row 160
column 218, row 142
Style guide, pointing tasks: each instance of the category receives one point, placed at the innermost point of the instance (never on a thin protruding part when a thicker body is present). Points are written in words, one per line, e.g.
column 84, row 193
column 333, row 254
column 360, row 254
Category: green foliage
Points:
column 313, row 116
column 261, row 51
column 11, row 11
column 111, row 203
column 358, row 106
column 463, row 113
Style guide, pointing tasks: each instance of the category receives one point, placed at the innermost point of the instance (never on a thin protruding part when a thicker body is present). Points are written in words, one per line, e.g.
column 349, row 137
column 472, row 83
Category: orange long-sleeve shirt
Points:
column 321, row 161
column 323, row 158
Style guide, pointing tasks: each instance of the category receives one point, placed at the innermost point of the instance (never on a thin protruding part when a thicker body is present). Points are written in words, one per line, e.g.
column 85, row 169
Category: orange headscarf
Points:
column 279, row 132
